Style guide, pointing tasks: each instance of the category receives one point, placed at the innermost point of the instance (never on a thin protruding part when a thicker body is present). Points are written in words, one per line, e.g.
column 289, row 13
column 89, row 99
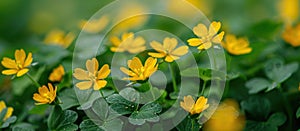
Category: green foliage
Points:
column 62, row 120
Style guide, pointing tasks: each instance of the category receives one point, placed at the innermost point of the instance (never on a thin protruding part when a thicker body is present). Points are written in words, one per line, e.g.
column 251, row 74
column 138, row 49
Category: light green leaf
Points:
column 256, row 85
column 68, row 98
column 278, row 72
column 298, row 113
column 148, row 112
column 62, row 120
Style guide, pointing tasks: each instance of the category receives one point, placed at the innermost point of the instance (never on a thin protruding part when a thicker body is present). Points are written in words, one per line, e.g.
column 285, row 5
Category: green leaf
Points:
column 278, row 72
column 20, row 84
column 257, row 107
column 121, row 105
column 188, row 124
column 259, row 126
column 113, row 125
column 68, row 98
column 256, row 85
column 298, row 113
column 267, row 29
column 147, row 127
column 3, row 113
column 39, row 109
column 86, row 97
column 8, row 121
column 203, row 73
column 89, row 125
column 49, row 54
column 62, row 120
column 130, row 94
column 277, row 119
column 23, row 127
column 148, row 112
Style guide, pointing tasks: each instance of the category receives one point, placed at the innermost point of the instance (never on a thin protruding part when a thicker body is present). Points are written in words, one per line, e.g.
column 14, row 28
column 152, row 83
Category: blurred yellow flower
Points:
column 128, row 43
column 59, row 37
column 46, row 95
column 8, row 112
column 167, row 49
column 183, row 10
column 138, row 71
column 206, row 36
column 94, row 26
column 292, row 35
column 226, row 118
column 92, row 76
column 236, row 46
column 134, row 21
column 57, row 74
column 289, row 10
column 18, row 66
column 189, row 104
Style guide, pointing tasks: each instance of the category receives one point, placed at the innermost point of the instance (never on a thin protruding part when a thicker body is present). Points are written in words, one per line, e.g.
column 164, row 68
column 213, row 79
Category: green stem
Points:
column 115, row 89
column 33, row 81
column 103, row 95
column 203, row 88
column 214, row 57
column 173, row 78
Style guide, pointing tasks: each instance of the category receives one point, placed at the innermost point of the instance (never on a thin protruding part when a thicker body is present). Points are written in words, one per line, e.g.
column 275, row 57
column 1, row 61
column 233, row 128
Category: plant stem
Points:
column 287, row 108
column 33, row 81
column 115, row 89
column 102, row 95
column 173, row 78
column 203, row 88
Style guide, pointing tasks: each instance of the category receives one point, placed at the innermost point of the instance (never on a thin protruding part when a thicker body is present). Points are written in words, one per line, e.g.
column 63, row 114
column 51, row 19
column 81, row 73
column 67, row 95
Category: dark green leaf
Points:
column 23, row 127
column 62, row 120
column 89, row 125
column 258, row 107
column 68, row 98
column 39, row 109
column 259, row 126
column 148, row 112
column 298, row 113
column 188, row 124
column 278, row 72
column 277, row 119
column 8, row 121
column 256, row 85
column 121, row 105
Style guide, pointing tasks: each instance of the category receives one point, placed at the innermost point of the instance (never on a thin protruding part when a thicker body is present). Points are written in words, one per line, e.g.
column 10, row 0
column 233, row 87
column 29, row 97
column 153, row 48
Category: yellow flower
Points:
column 92, row 76
column 57, row 74
column 46, row 95
column 292, row 35
column 189, row 104
column 289, row 10
column 184, row 10
column 18, row 66
column 167, row 50
column 226, row 118
column 8, row 112
column 94, row 26
column 236, row 46
column 299, row 87
column 58, row 37
column 128, row 43
column 138, row 71
column 207, row 36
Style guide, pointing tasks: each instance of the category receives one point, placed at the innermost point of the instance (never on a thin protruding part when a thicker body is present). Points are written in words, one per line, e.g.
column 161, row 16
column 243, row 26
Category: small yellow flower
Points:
column 206, row 36
column 58, row 37
column 289, row 10
column 299, row 87
column 57, row 74
column 167, row 50
column 18, row 66
column 94, row 26
column 92, row 75
column 138, row 71
column 128, row 43
column 46, row 95
column 189, row 104
column 227, row 117
column 292, row 35
column 8, row 112
column 236, row 46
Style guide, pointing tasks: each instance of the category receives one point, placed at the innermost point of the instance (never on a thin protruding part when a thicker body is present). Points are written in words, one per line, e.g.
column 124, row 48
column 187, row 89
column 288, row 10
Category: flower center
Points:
column 92, row 76
column 48, row 97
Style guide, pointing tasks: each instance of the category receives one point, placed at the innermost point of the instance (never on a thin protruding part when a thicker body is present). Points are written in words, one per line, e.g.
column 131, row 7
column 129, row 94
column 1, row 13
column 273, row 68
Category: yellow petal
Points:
column 170, row 44
column 205, row 46
column 68, row 39
column 9, row 72
column 20, row 56
column 84, row 85
column 92, row 65
column 40, row 99
column 218, row 38
column 115, row 41
column 135, row 63
column 22, row 72
column 100, row 84
column 2, row 105
column 214, row 28
column 28, row 60
column 139, row 41
column 180, row 51
column 126, row 71
column 127, row 35
column 169, row 58
column 157, row 55
column 104, row 72
column 200, row 30
column 43, row 90
column 81, row 74
column 9, row 63
column 187, row 103
column 135, row 50
column 194, row 42
column 8, row 113
column 150, row 62
column 117, row 49
column 157, row 46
